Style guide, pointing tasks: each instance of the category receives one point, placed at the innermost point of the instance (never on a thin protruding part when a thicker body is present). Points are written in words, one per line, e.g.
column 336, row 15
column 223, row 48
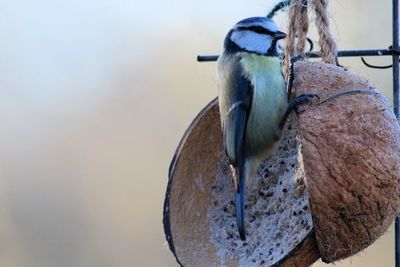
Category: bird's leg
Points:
column 294, row 104
column 291, row 75
column 298, row 100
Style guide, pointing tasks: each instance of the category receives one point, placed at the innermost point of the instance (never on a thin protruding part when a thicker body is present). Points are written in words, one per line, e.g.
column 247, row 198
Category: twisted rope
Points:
column 298, row 29
column 326, row 42
column 302, row 29
column 297, row 33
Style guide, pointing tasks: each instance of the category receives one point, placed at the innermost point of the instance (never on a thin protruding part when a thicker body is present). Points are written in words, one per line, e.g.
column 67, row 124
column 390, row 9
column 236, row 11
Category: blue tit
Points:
column 252, row 100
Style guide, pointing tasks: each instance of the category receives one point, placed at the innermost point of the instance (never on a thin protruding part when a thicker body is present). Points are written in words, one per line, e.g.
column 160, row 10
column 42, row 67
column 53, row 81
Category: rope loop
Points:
column 298, row 28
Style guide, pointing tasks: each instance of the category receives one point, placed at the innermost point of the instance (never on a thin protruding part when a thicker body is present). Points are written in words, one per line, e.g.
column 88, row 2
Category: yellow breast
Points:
column 269, row 99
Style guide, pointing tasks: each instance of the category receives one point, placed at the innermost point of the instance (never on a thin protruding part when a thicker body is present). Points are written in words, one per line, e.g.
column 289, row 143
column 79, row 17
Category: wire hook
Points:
column 310, row 42
column 375, row 66
column 278, row 7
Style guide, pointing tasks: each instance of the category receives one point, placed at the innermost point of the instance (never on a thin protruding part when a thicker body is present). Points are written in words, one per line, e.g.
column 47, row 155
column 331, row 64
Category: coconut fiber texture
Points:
column 351, row 149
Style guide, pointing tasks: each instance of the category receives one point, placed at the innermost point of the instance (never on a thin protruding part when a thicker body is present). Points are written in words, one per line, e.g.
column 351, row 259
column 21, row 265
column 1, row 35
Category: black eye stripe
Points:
column 257, row 29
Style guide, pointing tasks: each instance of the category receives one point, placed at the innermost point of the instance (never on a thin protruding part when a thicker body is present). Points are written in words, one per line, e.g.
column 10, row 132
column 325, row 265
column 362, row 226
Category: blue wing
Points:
column 236, row 93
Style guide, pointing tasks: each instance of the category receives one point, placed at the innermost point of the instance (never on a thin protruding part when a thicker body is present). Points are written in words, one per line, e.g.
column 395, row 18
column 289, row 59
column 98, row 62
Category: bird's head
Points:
column 257, row 35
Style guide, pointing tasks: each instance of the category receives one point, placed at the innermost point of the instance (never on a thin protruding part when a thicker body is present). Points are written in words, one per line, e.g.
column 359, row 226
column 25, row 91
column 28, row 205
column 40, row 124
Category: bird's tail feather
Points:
column 240, row 200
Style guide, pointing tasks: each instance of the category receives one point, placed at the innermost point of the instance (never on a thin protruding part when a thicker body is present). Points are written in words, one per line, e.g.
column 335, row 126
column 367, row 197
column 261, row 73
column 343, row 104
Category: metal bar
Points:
column 367, row 52
column 396, row 99
column 395, row 47
column 342, row 53
column 396, row 238
column 209, row 58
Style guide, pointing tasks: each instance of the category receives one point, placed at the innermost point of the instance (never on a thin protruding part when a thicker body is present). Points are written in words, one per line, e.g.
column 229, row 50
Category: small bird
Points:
column 252, row 100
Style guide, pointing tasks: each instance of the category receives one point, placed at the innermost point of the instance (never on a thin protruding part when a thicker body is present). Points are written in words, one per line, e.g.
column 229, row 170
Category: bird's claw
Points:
column 296, row 58
column 295, row 103
column 303, row 99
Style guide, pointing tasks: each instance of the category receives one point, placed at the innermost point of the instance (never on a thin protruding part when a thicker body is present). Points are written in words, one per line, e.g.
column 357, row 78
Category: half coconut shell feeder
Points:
column 330, row 190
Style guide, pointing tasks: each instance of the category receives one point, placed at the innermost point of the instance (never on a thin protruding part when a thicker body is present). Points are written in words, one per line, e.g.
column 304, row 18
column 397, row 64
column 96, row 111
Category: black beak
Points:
column 279, row 35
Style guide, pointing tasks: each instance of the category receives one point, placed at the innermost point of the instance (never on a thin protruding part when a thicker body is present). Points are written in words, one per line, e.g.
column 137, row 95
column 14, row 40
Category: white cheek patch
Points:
column 252, row 41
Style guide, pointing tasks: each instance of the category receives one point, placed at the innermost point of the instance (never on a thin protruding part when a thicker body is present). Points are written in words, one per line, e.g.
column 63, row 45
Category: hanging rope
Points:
column 297, row 33
column 326, row 42
column 298, row 29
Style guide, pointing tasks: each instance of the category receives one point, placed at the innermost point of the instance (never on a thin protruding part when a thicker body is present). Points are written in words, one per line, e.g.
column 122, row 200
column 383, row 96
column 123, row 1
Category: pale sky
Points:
column 94, row 97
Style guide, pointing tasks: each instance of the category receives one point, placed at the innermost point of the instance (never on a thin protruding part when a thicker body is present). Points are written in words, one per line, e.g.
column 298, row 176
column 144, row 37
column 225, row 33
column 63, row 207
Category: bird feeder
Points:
column 330, row 190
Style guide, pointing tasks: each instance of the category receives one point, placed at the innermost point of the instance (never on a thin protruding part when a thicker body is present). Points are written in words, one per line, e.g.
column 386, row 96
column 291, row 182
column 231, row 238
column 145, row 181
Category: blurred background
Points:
column 94, row 97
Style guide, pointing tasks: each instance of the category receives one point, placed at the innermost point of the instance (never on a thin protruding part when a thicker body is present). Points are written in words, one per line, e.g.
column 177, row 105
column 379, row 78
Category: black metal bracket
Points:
column 396, row 100
column 342, row 53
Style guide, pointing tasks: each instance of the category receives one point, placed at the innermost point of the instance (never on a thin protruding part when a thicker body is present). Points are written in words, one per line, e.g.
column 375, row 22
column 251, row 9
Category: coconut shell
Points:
column 351, row 149
column 344, row 148
column 185, row 210
column 188, row 225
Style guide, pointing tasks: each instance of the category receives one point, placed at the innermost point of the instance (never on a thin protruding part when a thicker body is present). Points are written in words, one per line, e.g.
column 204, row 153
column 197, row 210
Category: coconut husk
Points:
column 351, row 149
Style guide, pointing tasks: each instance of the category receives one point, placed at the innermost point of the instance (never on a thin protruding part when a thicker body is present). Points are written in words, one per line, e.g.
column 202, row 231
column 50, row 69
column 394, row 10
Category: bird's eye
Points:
column 258, row 29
